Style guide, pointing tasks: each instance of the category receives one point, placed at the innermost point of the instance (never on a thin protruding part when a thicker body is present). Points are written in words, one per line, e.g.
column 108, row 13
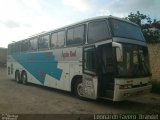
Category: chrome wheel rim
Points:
column 24, row 78
column 80, row 89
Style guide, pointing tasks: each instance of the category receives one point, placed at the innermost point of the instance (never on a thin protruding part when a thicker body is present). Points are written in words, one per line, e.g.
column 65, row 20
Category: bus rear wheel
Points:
column 78, row 88
column 17, row 77
column 24, row 77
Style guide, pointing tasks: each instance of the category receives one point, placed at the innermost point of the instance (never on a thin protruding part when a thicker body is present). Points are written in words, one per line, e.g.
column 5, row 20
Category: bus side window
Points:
column 9, row 49
column 13, row 48
column 53, row 40
column 61, row 39
column 43, row 42
column 70, row 39
column 97, row 31
column 25, row 45
column 17, row 47
column 75, row 36
column 79, row 34
column 34, row 44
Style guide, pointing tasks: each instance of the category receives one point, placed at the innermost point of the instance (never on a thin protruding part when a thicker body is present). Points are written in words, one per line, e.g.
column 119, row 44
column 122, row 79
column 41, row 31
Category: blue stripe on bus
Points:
column 39, row 64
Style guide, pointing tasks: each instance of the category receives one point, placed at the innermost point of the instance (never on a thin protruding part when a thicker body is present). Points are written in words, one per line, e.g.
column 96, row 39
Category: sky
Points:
column 20, row 19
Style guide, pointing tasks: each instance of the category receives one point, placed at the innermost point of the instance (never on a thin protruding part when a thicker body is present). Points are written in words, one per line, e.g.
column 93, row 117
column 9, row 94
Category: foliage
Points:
column 151, row 36
column 146, row 24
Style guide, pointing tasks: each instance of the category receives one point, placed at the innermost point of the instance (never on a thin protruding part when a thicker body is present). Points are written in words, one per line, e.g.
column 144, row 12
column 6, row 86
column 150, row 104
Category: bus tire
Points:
column 78, row 90
column 24, row 77
column 17, row 76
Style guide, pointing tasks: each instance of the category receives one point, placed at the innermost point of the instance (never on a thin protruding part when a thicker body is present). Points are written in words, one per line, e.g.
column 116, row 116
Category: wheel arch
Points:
column 23, row 71
column 74, row 79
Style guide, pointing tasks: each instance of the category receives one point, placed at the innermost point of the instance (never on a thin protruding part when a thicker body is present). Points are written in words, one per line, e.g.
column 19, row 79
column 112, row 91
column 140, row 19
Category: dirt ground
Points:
column 18, row 98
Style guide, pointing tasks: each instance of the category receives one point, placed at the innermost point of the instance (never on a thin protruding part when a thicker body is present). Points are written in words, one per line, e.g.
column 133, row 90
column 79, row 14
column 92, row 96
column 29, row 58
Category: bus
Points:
column 103, row 57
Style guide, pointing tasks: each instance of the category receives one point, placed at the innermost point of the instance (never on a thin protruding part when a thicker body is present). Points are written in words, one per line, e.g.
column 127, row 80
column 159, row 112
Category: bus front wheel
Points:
column 24, row 77
column 78, row 88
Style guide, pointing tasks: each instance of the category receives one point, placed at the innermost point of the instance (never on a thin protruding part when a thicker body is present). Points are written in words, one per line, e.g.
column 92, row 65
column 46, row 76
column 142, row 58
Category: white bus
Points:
column 103, row 57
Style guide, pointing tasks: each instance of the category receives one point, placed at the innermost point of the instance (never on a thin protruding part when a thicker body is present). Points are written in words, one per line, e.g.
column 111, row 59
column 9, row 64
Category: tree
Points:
column 145, row 22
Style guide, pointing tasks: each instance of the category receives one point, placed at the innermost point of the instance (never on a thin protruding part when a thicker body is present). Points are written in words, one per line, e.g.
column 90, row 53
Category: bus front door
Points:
column 90, row 80
column 105, row 71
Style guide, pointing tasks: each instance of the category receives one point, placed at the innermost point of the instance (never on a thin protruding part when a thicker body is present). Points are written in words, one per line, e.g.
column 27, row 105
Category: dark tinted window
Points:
column 61, row 38
column 70, row 39
column 43, row 42
column 97, row 31
column 90, row 63
column 129, row 30
column 13, row 48
column 75, row 35
column 25, row 45
column 34, row 45
column 79, row 34
column 9, row 49
column 17, row 47
column 53, row 40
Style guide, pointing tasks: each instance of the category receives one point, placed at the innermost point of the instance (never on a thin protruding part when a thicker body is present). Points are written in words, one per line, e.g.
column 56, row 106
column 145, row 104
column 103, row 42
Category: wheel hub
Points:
column 80, row 89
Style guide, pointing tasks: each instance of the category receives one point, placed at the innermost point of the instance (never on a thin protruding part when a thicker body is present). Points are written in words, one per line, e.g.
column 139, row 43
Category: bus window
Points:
column 70, row 39
column 61, row 38
column 17, row 47
column 97, row 31
column 43, row 42
column 53, row 40
column 75, row 36
column 9, row 49
column 25, row 45
column 89, row 58
column 129, row 30
column 13, row 48
column 34, row 45
column 79, row 34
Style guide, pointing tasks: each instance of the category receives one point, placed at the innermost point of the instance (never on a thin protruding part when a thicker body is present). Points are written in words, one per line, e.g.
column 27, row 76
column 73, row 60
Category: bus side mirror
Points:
column 119, row 51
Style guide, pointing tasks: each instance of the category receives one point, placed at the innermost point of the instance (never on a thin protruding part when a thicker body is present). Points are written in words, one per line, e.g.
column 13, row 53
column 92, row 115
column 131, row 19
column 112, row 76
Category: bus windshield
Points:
column 126, row 30
column 135, row 62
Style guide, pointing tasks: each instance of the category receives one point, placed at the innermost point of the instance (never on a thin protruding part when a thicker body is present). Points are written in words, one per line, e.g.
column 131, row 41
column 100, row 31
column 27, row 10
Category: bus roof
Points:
column 80, row 22
column 91, row 19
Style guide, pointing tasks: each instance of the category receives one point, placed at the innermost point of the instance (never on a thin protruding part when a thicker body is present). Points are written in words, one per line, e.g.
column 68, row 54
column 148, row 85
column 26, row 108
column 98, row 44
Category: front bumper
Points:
column 124, row 94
